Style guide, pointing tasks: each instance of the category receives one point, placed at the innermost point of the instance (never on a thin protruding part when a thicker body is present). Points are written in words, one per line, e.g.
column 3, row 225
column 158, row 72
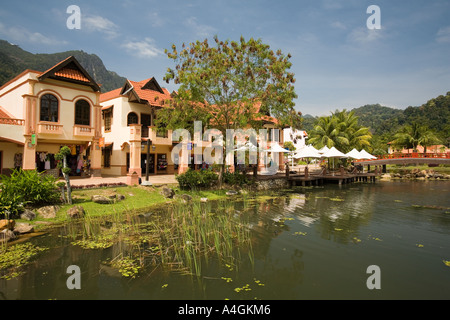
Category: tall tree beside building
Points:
column 230, row 85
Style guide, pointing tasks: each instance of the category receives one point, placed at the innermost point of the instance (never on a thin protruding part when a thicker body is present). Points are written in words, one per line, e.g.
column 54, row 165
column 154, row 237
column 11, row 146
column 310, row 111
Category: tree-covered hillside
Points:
column 14, row 60
column 385, row 122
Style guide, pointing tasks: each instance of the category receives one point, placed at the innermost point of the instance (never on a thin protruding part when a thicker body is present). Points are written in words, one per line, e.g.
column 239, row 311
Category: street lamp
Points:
column 146, row 182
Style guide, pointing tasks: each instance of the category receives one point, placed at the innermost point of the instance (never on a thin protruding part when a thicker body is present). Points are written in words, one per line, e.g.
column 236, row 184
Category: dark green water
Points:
column 315, row 243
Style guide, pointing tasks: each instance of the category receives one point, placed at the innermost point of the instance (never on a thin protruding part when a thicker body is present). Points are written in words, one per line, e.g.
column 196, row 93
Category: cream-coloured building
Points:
column 42, row 111
column 129, row 131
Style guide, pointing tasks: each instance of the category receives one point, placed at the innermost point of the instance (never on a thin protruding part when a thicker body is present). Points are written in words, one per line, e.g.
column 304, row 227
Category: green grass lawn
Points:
column 137, row 199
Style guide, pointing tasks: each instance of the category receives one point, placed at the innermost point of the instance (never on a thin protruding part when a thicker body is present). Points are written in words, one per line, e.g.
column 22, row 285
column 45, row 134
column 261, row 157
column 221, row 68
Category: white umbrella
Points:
column 354, row 154
column 276, row 148
column 324, row 149
column 248, row 146
column 365, row 155
column 307, row 152
column 333, row 153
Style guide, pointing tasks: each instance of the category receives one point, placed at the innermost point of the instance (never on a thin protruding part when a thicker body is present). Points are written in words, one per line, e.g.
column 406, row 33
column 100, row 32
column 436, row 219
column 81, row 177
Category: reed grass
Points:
column 181, row 237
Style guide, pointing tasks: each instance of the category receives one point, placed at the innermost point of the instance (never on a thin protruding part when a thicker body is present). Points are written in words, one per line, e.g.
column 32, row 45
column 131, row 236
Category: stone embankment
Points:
column 416, row 174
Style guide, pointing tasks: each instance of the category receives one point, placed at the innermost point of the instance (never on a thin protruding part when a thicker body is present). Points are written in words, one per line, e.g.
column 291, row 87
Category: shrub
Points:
column 28, row 187
column 235, row 178
column 194, row 179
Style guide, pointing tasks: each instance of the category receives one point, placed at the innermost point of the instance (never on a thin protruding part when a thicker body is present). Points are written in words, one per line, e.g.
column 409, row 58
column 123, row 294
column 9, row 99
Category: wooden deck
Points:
column 337, row 178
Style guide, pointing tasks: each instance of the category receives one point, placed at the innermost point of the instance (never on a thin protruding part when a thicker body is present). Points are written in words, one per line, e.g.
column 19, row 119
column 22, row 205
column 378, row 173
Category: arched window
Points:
column 49, row 108
column 132, row 118
column 82, row 113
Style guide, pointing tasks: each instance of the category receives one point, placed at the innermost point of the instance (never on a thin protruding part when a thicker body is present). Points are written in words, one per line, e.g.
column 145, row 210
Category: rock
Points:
column 231, row 193
column 422, row 174
column 48, row 212
column 76, row 212
column 167, row 192
column 7, row 235
column 120, row 197
column 7, row 224
column 22, row 228
column 102, row 199
column 386, row 176
column 28, row 215
column 184, row 197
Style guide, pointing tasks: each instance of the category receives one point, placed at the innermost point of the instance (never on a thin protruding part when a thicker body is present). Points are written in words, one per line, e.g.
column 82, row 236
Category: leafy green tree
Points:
column 230, row 85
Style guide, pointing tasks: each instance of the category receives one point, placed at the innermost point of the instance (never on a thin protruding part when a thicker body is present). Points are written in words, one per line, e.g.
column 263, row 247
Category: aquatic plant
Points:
column 15, row 256
column 182, row 237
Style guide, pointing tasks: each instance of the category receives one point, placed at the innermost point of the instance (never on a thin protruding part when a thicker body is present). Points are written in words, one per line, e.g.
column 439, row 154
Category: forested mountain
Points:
column 14, row 60
column 384, row 122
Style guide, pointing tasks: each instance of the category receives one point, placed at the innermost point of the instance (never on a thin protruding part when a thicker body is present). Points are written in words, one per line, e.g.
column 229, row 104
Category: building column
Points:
column 96, row 158
column 183, row 160
column 29, row 154
column 135, row 170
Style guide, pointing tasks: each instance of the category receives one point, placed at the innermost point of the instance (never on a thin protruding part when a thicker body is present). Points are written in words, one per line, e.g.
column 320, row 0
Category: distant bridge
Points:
column 408, row 158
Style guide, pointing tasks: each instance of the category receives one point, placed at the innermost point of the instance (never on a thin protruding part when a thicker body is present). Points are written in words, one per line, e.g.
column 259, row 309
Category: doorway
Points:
column 151, row 164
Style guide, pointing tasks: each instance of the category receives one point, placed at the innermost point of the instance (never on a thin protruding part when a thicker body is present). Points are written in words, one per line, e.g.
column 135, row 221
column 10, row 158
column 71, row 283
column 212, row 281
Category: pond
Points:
column 305, row 243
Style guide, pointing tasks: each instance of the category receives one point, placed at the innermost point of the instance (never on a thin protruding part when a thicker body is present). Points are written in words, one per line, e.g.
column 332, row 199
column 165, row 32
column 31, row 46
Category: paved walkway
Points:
column 155, row 180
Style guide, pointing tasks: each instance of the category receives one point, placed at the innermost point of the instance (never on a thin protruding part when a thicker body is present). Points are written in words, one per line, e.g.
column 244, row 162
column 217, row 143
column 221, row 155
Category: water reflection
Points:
column 304, row 243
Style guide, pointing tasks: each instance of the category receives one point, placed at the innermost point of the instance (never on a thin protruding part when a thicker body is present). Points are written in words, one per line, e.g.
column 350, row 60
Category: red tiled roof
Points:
column 154, row 97
column 70, row 68
column 71, row 74
column 110, row 95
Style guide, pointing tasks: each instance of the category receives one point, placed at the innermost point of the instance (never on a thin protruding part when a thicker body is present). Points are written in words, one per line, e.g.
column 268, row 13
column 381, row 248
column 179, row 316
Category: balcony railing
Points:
column 50, row 128
column 14, row 122
column 159, row 138
column 83, row 131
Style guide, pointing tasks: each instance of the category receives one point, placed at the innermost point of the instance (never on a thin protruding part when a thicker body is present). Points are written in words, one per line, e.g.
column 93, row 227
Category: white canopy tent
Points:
column 365, row 155
column 333, row 153
column 323, row 150
column 354, row 154
column 307, row 152
column 248, row 146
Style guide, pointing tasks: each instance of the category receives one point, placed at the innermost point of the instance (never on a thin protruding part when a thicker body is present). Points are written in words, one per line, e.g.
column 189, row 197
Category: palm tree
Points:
column 326, row 133
column 414, row 135
column 358, row 137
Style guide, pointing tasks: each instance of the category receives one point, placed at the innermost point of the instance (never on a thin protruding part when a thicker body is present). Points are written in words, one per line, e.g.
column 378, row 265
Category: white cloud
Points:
column 201, row 30
column 156, row 20
column 443, row 35
column 21, row 34
column 143, row 49
column 363, row 35
column 99, row 24
column 338, row 25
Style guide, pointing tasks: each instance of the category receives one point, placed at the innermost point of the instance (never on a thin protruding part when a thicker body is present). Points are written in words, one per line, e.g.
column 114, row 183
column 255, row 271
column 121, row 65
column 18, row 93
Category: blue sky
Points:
column 338, row 62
